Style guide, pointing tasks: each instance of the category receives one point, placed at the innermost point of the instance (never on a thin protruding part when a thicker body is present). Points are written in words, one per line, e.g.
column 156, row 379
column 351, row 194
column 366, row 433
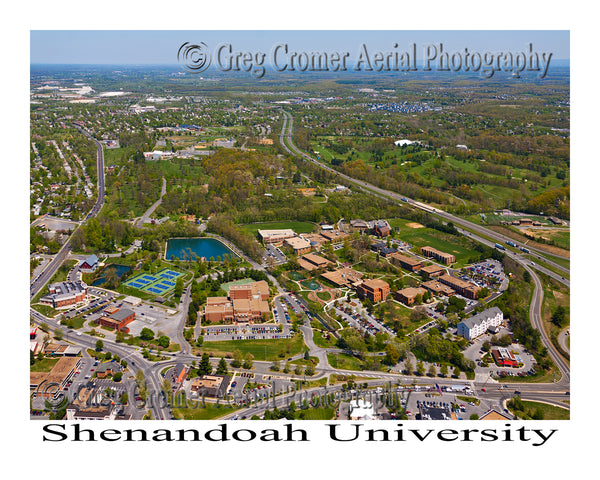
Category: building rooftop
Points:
column 481, row 316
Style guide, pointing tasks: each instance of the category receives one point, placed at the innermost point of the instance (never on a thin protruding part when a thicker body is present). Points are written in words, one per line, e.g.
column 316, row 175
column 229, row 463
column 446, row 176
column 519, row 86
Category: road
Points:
column 286, row 141
column 43, row 278
column 145, row 218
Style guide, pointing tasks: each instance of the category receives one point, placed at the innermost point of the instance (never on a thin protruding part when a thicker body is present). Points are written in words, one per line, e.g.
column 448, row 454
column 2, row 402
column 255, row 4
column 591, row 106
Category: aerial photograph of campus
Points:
column 376, row 227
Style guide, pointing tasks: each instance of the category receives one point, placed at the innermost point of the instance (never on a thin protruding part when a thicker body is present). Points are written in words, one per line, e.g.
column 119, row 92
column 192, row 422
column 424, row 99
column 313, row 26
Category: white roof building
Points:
column 361, row 410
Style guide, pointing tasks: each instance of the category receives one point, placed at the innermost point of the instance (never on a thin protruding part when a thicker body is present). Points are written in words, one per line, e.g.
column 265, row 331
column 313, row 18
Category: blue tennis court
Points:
column 159, row 283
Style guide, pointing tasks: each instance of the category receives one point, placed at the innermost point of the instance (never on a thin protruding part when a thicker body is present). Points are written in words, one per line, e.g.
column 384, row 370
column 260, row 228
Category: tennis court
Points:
column 159, row 283
column 310, row 284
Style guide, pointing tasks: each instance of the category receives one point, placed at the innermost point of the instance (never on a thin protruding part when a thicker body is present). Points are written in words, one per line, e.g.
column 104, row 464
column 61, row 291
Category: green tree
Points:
column 117, row 377
column 408, row 367
column 146, row 334
column 248, row 361
column 432, row 372
column 391, row 355
column 237, row 358
column 309, row 371
column 164, row 341
column 444, row 370
column 420, row 368
column 205, row 368
column 222, row 367
column 99, row 345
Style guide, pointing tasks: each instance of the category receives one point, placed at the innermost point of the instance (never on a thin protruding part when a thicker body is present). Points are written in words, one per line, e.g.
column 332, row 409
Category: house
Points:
column 359, row 225
column 477, row 325
column 495, row 415
column 179, row 373
column 107, row 368
column 382, row 249
column 381, row 228
column 210, row 385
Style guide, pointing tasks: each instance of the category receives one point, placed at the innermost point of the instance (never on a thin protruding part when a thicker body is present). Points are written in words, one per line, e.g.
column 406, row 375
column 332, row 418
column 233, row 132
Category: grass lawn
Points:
column 344, row 361
column 320, row 413
column 550, row 411
column 258, row 348
column 298, row 227
column 325, row 296
column 46, row 310
column 208, row 412
column 321, row 341
column 43, row 365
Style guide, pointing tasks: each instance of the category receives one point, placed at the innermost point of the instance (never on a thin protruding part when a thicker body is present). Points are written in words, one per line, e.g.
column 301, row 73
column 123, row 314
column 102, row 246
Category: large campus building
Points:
column 374, row 289
column 343, row 277
column 63, row 294
column 117, row 318
column 462, row 287
column 478, row 324
column 408, row 295
column 275, row 236
column 407, row 263
column 245, row 304
column 442, row 257
column 312, row 262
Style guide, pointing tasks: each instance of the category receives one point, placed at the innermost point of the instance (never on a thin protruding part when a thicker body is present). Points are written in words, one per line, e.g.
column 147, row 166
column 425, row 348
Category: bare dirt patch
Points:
column 414, row 225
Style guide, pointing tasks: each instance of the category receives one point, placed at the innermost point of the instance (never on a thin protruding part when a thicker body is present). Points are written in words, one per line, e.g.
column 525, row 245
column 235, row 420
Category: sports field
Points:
column 157, row 283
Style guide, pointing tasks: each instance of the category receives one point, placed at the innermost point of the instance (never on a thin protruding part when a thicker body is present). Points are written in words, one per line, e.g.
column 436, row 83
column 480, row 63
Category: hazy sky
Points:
column 160, row 46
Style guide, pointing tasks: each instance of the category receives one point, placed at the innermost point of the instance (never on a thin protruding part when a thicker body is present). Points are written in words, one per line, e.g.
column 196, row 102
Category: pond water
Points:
column 121, row 269
column 192, row 248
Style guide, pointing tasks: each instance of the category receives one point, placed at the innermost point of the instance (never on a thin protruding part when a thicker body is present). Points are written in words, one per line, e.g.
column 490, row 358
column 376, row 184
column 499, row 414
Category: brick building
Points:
column 408, row 295
column 442, row 257
column 63, row 294
column 373, row 289
column 245, row 304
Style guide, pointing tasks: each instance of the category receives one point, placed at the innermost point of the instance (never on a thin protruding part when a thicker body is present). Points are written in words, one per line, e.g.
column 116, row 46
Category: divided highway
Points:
column 286, row 141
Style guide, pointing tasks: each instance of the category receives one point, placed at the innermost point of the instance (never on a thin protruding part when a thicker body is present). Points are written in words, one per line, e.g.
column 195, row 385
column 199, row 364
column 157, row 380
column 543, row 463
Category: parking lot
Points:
column 275, row 253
